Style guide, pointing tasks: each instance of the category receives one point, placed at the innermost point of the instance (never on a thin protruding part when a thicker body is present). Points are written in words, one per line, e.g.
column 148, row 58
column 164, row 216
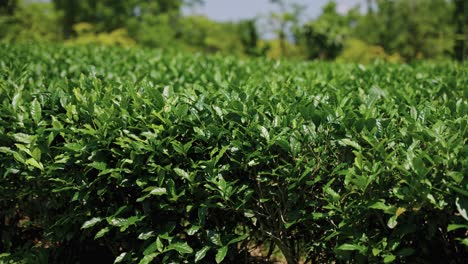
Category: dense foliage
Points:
column 145, row 156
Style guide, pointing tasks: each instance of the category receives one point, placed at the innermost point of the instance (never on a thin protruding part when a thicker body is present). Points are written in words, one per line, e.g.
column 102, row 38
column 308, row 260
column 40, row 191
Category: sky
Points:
column 235, row 10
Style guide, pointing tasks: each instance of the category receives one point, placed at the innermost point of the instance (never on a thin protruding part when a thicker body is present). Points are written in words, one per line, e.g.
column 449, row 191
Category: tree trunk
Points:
column 8, row 6
column 282, row 42
column 460, row 35
column 288, row 252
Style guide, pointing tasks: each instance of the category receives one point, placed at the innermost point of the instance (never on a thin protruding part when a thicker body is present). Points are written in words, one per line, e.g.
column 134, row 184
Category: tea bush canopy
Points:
column 144, row 131
column 148, row 156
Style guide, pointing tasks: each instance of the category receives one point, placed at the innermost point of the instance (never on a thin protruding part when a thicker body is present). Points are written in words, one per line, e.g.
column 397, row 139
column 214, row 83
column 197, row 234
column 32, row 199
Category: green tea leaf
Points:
column 151, row 248
column 238, row 239
column 215, row 238
column 349, row 142
column 120, row 257
column 453, row 227
column 463, row 241
column 380, row 205
column 148, row 258
column 159, row 245
column 182, row 174
column 462, row 210
column 35, row 164
column 145, row 235
column 222, row 252
column 193, row 230
column 158, row 191
column 182, row 248
column 24, row 138
column 201, row 253
column 264, row 133
column 92, row 222
column 102, row 232
column 36, row 111
column 392, row 222
column 389, row 258
column 351, row 247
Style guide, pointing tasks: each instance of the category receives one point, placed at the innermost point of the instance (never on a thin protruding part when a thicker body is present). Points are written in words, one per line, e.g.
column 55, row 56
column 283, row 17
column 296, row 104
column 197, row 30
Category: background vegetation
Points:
column 389, row 30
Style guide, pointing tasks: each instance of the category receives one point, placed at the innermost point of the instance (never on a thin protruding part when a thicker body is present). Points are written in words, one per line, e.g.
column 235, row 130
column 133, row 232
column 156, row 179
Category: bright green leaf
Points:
column 201, row 253
column 182, row 248
column 389, row 258
column 36, row 111
column 158, row 191
column 120, row 258
column 102, row 232
column 90, row 223
column 221, row 254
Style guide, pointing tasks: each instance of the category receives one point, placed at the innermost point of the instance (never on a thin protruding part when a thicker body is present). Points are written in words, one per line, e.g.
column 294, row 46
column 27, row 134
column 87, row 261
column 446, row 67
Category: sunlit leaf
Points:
column 182, row 248
column 90, row 223
column 221, row 254
column 201, row 253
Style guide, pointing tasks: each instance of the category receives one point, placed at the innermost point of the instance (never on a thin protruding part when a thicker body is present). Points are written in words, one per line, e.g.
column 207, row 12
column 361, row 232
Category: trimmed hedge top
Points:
column 146, row 157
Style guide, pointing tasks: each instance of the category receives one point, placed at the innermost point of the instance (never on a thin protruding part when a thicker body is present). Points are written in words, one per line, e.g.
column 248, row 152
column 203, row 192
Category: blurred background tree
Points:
column 250, row 39
column 22, row 21
column 415, row 29
column 284, row 22
column 389, row 30
column 199, row 33
column 108, row 15
column 324, row 37
column 8, row 6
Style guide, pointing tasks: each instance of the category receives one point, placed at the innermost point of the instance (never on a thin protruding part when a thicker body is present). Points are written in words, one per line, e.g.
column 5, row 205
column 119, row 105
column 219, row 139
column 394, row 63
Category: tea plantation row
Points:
column 138, row 156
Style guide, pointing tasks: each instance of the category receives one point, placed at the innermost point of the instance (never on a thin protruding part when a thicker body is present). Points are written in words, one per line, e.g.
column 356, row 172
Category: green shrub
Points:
column 31, row 22
column 151, row 156
column 201, row 34
column 358, row 51
column 86, row 34
column 154, row 31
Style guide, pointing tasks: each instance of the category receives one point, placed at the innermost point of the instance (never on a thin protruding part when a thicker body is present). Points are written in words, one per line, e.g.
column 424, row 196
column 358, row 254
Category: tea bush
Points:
column 139, row 156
